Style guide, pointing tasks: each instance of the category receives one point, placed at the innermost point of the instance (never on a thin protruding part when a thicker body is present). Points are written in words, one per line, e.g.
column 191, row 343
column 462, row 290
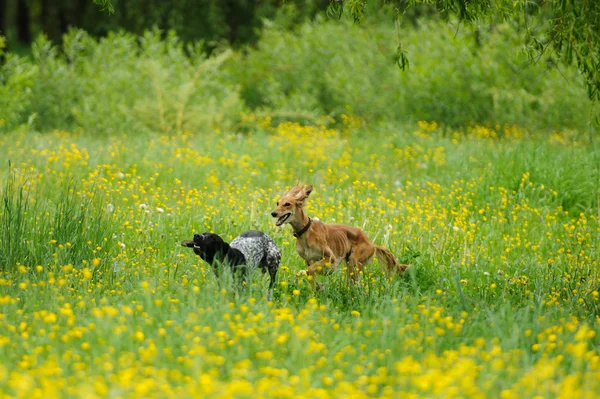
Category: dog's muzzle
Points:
column 282, row 219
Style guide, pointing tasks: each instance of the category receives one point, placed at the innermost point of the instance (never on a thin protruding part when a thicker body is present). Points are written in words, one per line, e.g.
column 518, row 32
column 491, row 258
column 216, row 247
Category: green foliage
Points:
column 123, row 83
column 325, row 67
column 17, row 79
column 117, row 84
column 31, row 223
column 569, row 29
column 105, row 5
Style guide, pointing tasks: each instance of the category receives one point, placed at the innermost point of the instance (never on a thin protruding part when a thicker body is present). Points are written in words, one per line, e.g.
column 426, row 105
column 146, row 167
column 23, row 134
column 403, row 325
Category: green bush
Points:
column 118, row 84
column 17, row 79
column 326, row 66
column 123, row 83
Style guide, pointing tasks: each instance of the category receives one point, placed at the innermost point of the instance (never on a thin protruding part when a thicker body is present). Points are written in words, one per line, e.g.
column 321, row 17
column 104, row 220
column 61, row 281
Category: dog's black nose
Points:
column 274, row 214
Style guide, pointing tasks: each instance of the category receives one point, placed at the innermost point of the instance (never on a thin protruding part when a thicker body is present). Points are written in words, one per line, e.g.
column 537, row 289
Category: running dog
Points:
column 325, row 246
column 250, row 250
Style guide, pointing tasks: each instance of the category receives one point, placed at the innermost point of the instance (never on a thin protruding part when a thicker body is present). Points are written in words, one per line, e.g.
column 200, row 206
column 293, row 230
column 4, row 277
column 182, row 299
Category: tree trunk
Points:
column 3, row 12
column 51, row 19
column 23, row 22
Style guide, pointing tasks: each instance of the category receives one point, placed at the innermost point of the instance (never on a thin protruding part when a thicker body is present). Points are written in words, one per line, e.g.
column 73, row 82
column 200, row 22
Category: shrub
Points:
column 325, row 66
column 119, row 84
column 123, row 83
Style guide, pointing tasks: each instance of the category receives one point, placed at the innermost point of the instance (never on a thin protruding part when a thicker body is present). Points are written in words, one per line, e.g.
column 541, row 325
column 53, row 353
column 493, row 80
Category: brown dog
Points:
column 327, row 245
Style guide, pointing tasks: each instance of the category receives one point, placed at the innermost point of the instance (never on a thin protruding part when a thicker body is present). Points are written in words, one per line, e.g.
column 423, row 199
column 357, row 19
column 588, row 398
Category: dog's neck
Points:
column 218, row 255
column 300, row 220
column 235, row 257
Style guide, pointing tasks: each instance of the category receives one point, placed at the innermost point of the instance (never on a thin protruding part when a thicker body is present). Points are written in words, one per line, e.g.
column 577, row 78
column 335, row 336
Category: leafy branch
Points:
column 105, row 5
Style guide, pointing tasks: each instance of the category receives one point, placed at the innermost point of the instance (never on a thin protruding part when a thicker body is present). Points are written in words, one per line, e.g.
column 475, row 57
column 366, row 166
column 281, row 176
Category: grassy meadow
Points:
column 98, row 299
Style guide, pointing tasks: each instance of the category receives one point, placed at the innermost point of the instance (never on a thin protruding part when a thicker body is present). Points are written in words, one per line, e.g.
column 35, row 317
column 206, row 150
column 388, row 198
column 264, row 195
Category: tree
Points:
column 2, row 17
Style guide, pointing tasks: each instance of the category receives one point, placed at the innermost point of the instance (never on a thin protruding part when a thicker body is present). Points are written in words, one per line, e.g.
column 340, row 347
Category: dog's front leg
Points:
column 329, row 261
column 317, row 267
column 243, row 271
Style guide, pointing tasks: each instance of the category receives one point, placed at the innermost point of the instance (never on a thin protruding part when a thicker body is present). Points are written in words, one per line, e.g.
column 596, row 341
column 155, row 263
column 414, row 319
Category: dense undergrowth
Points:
column 154, row 83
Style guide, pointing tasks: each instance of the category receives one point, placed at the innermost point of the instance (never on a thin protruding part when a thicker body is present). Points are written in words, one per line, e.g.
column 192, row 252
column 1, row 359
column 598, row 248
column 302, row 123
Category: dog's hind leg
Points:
column 273, row 260
column 360, row 256
column 273, row 277
column 240, row 275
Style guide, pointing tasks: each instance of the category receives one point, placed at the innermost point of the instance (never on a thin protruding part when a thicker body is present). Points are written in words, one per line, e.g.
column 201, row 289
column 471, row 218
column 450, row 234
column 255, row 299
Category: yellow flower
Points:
column 282, row 339
column 86, row 273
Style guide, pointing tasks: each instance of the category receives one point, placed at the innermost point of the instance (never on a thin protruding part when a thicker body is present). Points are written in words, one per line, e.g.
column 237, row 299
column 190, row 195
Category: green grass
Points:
column 98, row 298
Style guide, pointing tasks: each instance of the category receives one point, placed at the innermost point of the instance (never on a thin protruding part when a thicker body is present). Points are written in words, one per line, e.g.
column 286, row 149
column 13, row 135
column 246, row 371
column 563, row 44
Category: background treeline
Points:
column 301, row 66
column 234, row 21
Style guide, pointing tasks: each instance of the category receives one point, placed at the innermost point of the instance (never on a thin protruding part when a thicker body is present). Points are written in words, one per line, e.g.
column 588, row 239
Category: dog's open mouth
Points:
column 282, row 219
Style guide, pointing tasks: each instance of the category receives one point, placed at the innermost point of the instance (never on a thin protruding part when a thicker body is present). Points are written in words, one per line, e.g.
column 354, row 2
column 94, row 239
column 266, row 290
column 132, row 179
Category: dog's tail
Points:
column 387, row 259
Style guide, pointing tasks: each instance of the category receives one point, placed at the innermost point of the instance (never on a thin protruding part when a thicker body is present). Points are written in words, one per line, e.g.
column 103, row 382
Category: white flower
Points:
column 142, row 206
column 122, row 245
column 110, row 208
column 120, row 175
column 455, row 228
column 486, row 273
column 159, row 210
column 116, row 266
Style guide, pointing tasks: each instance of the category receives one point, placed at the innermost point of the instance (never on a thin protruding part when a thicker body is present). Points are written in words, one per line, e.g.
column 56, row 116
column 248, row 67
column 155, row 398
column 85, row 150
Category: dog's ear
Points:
column 307, row 190
column 303, row 194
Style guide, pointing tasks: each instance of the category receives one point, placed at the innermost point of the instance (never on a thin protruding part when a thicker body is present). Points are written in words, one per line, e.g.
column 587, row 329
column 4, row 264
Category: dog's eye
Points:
column 287, row 204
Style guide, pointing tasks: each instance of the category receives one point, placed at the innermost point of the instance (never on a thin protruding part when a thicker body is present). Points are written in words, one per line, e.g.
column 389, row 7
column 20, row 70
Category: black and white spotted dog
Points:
column 250, row 250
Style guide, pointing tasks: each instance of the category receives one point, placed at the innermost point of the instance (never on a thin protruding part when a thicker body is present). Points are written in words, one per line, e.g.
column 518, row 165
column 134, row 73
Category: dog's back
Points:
column 258, row 249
